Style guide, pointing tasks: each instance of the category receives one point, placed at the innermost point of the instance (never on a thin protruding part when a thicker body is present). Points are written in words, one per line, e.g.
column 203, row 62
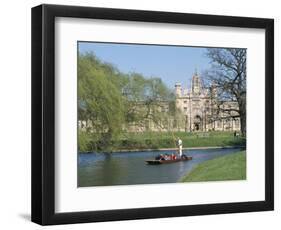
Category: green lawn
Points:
column 160, row 140
column 157, row 140
column 231, row 167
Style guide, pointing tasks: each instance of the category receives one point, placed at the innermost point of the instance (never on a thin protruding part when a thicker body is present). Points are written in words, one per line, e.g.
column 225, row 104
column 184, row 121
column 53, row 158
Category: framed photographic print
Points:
column 143, row 114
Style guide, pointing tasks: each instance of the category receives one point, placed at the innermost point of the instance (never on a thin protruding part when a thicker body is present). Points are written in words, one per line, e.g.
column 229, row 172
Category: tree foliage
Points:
column 100, row 103
column 228, row 75
column 109, row 102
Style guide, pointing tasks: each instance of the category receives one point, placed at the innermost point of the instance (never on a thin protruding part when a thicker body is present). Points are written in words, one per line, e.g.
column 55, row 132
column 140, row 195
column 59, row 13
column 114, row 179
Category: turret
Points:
column 214, row 92
column 178, row 89
column 196, row 84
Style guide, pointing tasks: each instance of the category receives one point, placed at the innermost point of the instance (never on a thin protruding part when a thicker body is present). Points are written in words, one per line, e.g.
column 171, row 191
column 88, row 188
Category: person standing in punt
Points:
column 179, row 144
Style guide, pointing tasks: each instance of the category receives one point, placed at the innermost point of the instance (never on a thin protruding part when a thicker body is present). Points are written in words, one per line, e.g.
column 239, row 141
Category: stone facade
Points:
column 199, row 106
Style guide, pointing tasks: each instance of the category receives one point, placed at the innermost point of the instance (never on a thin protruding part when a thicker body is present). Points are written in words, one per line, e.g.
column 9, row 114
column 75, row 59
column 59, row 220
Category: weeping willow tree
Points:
column 111, row 102
column 100, row 103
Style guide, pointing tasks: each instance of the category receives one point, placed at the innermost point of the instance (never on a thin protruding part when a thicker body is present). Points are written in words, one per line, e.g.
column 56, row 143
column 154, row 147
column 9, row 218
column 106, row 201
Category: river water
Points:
column 128, row 168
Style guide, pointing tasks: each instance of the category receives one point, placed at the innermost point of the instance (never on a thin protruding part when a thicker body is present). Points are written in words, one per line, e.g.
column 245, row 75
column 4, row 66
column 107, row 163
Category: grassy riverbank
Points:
column 165, row 140
column 158, row 140
column 231, row 167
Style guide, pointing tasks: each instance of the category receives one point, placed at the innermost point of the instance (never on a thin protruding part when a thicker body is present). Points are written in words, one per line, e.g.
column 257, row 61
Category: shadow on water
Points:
column 127, row 168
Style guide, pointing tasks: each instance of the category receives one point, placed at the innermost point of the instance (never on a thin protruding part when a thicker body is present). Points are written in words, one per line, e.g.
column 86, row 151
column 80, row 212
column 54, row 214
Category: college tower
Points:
column 199, row 106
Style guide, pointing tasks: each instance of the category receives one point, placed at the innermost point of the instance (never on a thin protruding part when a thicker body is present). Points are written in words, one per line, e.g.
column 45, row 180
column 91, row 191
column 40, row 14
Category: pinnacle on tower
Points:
column 178, row 89
column 195, row 72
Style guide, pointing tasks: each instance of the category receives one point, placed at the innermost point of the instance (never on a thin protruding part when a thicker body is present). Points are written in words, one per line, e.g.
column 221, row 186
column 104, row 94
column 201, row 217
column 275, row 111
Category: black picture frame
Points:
column 43, row 114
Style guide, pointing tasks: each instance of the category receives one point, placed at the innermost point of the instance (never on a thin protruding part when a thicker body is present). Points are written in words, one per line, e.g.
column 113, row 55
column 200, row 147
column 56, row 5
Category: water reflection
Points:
column 98, row 169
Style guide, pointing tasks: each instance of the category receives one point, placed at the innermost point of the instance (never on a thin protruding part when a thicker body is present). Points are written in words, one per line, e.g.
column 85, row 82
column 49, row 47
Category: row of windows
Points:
column 176, row 123
column 235, row 123
column 207, row 109
column 185, row 102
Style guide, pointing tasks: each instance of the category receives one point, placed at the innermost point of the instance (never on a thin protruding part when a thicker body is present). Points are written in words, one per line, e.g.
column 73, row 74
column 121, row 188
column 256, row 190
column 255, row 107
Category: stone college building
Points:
column 199, row 106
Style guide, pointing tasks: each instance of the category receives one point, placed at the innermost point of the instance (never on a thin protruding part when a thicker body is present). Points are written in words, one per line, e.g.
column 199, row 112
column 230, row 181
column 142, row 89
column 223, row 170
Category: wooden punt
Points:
column 158, row 162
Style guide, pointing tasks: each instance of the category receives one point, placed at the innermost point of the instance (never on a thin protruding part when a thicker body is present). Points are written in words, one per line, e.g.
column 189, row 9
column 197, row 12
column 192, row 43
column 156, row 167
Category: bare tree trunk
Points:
column 243, row 120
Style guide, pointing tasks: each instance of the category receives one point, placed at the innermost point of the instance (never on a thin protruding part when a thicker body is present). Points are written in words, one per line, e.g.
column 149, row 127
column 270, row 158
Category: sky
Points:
column 170, row 63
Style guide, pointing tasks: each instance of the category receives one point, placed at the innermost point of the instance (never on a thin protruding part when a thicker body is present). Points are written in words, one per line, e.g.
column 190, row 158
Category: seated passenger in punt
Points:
column 163, row 157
